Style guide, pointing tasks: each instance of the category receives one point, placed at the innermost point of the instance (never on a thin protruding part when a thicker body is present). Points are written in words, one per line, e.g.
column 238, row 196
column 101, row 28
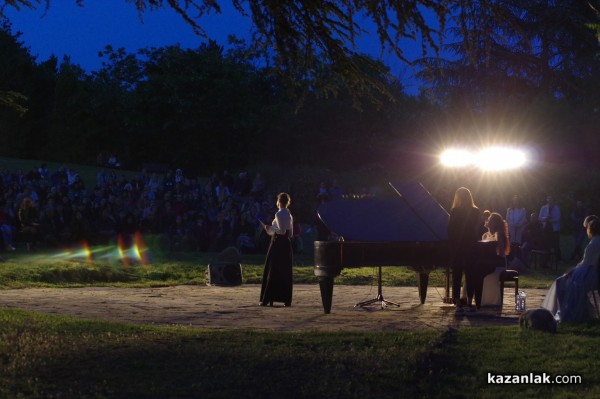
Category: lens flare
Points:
column 87, row 252
column 129, row 250
column 141, row 249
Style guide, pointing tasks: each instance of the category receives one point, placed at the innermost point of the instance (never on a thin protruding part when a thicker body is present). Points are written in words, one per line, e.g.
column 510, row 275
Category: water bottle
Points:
column 521, row 302
column 557, row 316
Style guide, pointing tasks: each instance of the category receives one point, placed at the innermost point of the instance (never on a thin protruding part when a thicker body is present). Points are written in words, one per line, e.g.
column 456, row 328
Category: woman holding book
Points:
column 277, row 276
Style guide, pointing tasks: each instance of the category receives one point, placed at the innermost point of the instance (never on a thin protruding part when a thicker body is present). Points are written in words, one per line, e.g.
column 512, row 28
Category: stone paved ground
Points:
column 237, row 307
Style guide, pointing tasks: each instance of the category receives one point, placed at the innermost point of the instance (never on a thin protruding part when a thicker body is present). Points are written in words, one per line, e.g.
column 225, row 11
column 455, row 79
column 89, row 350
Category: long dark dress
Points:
column 277, row 277
column 462, row 238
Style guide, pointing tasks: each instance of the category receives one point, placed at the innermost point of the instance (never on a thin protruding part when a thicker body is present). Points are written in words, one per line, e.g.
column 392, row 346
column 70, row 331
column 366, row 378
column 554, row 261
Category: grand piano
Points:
column 408, row 229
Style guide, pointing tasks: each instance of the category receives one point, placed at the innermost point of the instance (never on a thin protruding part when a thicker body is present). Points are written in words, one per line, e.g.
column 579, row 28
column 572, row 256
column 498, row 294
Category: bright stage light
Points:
column 500, row 158
column 487, row 159
column 456, row 158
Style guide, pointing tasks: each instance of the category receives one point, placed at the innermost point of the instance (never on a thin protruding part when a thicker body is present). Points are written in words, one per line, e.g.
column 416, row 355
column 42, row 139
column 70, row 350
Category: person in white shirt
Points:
column 277, row 276
column 550, row 217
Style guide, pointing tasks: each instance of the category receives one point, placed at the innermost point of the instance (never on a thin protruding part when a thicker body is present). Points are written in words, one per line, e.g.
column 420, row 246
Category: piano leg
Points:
column 326, row 285
column 423, row 282
column 448, row 296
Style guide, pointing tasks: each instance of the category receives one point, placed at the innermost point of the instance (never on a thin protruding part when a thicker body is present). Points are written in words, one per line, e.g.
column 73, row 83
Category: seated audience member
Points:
column 80, row 229
column 241, row 185
column 43, row 171
column 177, row 234
column 200, row 233
column 244, row 233
column 258, row 186
column 150, row 222
column 106, row 227
column 6, row 226
column 52, row 230
column 569, row 293
column 127, row 226
column 221, row 233
column 29, row 224
column 498, row 232
column 222, row 191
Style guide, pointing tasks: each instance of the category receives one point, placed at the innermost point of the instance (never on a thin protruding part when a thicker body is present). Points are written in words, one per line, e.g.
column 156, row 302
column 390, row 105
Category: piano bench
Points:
column 505, row 277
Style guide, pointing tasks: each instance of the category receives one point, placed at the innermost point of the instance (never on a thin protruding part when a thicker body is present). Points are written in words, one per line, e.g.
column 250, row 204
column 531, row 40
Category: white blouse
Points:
column 282, row 223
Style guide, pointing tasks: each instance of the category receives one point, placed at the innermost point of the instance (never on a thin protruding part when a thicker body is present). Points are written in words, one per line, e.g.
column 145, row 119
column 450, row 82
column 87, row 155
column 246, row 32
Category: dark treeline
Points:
column 202, row 110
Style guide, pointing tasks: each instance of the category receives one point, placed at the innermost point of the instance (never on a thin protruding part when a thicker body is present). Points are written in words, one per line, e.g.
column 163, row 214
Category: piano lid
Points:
column 413, row 216
column 425, row 206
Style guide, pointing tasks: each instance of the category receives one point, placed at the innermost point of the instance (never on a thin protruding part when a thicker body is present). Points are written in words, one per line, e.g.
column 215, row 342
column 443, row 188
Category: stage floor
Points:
column 237, row 307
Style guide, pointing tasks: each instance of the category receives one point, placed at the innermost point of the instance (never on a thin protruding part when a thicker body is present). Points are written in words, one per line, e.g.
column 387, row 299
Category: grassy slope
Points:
column 53, row 269
column 49, row 356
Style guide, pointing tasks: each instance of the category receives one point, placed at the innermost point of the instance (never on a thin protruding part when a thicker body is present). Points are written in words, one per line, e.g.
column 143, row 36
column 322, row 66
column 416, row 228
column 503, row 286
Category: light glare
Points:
column 500, row 158
column 487, row 159
column 456, row 158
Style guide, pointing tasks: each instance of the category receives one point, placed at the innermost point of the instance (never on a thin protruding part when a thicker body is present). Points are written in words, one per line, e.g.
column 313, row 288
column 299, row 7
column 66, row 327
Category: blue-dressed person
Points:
column 569, row 293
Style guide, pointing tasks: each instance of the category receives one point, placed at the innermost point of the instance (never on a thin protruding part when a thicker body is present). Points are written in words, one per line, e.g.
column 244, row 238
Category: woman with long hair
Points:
column 492, row 267
column 463, row 228
column 277, row 276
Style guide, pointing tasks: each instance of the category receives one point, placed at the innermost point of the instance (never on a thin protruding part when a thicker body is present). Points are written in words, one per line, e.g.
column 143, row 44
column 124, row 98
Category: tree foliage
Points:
column 299, row 38
column 203, row 109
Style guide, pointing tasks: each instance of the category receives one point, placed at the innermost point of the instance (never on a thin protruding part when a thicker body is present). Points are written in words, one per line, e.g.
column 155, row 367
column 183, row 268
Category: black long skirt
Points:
column 277, row 276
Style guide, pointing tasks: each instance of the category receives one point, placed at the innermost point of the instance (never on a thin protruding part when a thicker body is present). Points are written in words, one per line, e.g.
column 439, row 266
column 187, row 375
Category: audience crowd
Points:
column 56, row 209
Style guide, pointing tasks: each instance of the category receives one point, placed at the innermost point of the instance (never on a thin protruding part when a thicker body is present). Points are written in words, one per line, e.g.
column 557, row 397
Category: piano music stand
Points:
column 379, row 297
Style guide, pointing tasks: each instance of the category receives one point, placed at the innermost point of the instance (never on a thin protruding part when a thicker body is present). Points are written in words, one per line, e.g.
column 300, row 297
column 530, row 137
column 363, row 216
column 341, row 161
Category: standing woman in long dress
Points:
column 277, row 276
column 463, row 228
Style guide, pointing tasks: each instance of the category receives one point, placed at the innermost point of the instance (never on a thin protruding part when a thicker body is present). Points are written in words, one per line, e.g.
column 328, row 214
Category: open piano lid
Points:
column 413, row 216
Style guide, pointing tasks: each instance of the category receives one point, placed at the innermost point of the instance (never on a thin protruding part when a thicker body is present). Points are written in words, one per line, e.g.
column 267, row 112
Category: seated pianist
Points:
column 494, row 248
